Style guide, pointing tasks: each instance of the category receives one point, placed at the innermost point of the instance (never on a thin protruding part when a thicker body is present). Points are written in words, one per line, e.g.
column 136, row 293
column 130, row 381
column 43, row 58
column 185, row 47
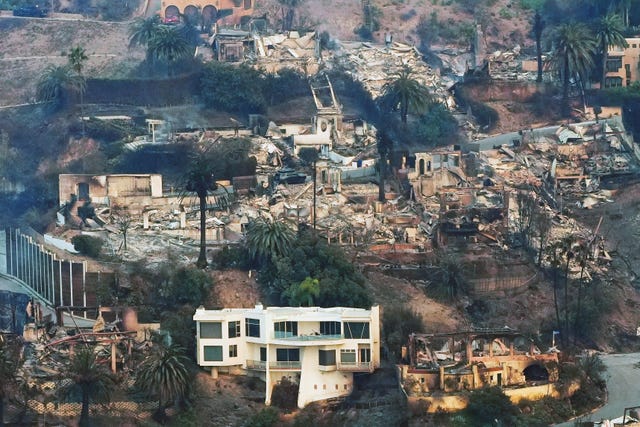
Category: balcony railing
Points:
column 257, row 365
column 355, row 366
column 285, row 365
column 307, row 337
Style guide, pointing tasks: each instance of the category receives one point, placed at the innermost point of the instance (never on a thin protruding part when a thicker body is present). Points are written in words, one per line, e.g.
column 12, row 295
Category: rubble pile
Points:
column 374, row 65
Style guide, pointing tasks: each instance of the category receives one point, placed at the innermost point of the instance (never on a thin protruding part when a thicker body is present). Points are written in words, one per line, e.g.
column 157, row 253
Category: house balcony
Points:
column 286, row 366
column 256, row 365
column 309, row 337
column 355, row 366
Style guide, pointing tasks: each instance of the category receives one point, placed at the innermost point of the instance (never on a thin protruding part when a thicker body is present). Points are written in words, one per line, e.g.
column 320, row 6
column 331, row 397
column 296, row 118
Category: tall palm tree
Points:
column 77, row 58
column 310, row 155
column 609, row 34
column 164, row 374
column 538, row 27
column 452, row 274
column 266, row 238
column 406, row 93
column 201, row 179
column 55, row 80
column 168, row 44
column 142, row 30
column 91, row 379
column 573, row 55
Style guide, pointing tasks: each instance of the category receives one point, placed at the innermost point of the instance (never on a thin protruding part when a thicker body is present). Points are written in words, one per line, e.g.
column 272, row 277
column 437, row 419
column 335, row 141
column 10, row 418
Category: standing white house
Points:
column 317, row 348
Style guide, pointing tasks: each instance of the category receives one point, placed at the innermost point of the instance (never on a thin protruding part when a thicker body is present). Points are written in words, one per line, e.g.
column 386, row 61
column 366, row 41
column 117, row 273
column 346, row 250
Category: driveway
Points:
column 623, row 384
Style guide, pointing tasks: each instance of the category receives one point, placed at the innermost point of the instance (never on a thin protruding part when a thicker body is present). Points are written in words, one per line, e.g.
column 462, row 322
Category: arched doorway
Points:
column 171, row 11
column 209, row 17
column 536, row 373
column 421, row 166
column 192, row 15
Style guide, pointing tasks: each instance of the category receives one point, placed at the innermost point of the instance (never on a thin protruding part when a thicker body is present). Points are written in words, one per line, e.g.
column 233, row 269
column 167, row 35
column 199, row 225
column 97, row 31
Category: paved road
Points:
column 623, row 384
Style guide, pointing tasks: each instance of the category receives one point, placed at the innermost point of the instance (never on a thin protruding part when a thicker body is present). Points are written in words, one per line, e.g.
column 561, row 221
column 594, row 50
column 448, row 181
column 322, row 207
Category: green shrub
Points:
column 490, row 405
column 241, row 91
column 398, row 322
column 87, row 245
column 436, row 127
column 364, row 33
column 267, row 417
column 285, row 395
column 532, row 4
column 231, row 257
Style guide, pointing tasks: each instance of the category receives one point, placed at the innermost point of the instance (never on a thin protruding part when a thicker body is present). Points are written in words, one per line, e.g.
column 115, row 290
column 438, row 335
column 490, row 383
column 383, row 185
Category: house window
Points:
column 213, row 353
column 233, row 351
column 365, row 354
column 330, row 328
column 247, row 4
column 285, row 329
column 347, row 356
column 263, row 354
column 288, row 354
column 234, row 329
column 356, row 330
column 210, row 330
column 634, row 45
column 614, row 64
column 252, row 328
column 326, row 357
column 613, row 82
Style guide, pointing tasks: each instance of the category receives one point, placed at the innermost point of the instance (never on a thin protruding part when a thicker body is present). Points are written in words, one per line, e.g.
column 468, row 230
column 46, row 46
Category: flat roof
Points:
column 306, row 313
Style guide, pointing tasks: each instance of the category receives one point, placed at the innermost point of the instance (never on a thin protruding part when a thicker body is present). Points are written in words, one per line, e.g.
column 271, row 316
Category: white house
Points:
column 317, row 348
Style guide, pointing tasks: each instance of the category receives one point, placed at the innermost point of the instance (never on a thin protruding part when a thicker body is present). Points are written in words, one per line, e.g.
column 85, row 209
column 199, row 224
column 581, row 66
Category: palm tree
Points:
column 609, row 34
column 164, row 375
column 54, row 81
column 538, row 27
column 168, row 44
column 90, row 378
column 304, row 293
column 573, row 55
column 77, row 58
column 143, row 30
column 8, row 374
column 201, row 179
column 451, row 271
column 310, row 155
column 406, row 93
column 267, row 238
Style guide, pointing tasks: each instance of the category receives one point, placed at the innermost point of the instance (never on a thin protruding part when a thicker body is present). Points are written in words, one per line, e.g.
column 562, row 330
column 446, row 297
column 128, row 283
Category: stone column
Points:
column 183, row 220
column 145, row 220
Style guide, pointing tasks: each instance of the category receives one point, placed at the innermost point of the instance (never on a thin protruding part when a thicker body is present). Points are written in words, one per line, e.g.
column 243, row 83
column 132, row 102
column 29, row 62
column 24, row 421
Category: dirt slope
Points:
column 504, row 22
column 30, row 45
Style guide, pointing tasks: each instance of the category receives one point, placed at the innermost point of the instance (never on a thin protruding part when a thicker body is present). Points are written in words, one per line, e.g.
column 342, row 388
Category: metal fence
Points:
column 58, row 282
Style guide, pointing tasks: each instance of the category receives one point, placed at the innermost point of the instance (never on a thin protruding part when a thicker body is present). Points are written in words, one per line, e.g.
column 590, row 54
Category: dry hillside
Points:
column 504, row 22
column 30, row 45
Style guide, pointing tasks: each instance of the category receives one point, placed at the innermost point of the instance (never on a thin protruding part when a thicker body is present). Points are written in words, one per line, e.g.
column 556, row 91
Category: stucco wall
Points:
column 452, row 403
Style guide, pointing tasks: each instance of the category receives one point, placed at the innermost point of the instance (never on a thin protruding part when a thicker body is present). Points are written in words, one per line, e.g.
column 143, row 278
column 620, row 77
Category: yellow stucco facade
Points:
column 622, row 64
column 210, row 11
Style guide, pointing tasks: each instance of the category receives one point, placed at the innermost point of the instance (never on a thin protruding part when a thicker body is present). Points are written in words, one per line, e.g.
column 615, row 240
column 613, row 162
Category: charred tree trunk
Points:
column 202, row 257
